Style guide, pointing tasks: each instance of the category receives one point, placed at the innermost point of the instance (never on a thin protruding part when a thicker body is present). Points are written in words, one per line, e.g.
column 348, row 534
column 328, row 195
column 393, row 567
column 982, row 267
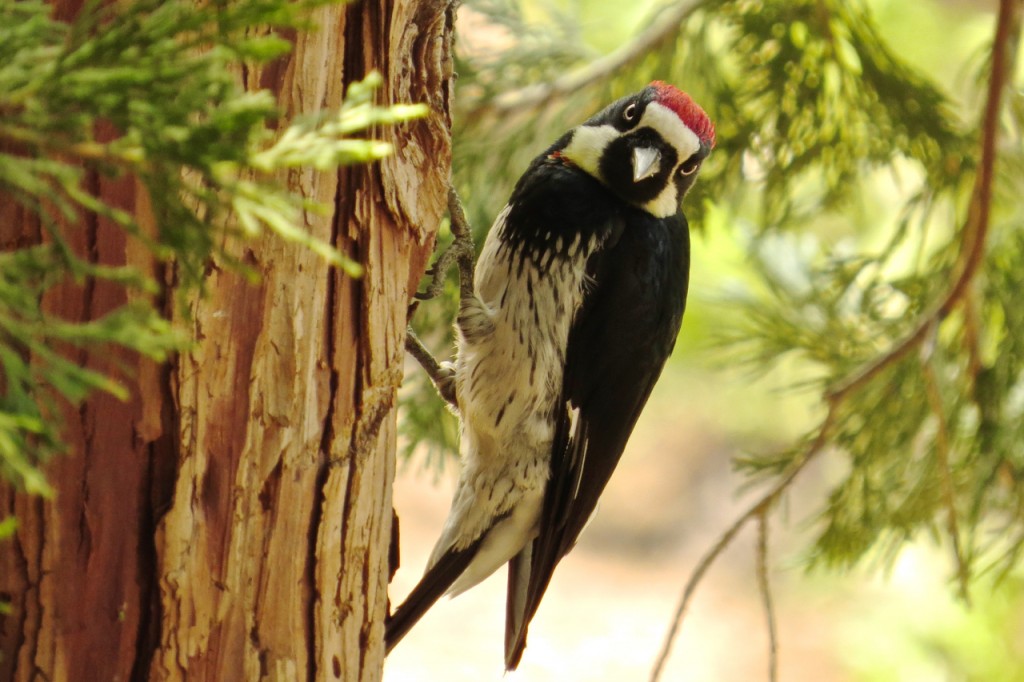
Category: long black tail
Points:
column 434, row 583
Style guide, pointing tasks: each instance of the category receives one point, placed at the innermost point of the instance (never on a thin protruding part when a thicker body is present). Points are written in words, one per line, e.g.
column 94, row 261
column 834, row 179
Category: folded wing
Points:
column 618, row 345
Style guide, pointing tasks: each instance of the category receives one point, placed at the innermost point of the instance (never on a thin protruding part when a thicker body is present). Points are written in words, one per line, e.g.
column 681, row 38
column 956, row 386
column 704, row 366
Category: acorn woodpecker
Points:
column 577, row 300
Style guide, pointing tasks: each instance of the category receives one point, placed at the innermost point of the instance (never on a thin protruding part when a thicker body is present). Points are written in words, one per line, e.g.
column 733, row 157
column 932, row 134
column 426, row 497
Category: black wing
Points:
column 618, row 344
column 428, row 590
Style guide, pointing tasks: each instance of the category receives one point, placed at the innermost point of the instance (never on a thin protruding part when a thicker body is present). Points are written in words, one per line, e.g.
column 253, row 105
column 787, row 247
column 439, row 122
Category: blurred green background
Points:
column 826, row 225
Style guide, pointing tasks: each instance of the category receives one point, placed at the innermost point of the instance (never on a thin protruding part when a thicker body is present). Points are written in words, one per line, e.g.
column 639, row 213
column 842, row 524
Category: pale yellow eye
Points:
column 690, row 166
column 630, row 113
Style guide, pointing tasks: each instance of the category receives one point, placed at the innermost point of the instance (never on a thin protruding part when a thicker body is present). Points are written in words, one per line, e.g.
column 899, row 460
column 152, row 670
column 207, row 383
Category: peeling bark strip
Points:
column 232, row 521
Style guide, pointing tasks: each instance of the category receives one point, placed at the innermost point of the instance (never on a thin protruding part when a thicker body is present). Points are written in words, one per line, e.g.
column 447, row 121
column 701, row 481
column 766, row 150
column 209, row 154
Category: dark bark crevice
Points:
column 155, row 499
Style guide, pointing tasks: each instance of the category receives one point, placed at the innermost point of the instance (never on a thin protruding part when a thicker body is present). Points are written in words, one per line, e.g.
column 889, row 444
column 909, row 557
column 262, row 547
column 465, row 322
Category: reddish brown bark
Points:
column 231, row 520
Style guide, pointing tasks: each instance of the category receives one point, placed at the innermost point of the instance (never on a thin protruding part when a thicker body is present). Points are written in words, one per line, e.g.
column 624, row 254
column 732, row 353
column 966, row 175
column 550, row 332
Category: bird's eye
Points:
column 630, row 113
column 690, row 166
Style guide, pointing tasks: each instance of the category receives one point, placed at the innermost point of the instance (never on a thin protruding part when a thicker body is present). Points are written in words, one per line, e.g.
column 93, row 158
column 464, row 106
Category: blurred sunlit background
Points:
column 894, row 616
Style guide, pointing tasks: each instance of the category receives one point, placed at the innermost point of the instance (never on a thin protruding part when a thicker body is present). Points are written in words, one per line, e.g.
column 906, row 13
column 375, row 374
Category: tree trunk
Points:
column 232, row 520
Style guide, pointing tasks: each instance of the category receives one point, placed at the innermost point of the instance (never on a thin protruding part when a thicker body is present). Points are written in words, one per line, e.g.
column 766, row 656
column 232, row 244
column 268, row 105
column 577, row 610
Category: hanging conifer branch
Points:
column 967, row 265
column 975, row 230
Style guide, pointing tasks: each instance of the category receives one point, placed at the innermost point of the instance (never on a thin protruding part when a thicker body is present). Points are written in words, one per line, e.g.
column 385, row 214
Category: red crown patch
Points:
column 688, row 111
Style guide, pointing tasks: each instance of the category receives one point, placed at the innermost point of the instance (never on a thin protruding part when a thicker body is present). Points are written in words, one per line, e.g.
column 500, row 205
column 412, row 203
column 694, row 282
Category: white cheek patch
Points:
column 669, row 126
column 665, row 204
column 587, row 145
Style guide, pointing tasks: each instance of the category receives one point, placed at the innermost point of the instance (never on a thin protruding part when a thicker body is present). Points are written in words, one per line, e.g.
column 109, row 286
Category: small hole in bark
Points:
column 337, row 667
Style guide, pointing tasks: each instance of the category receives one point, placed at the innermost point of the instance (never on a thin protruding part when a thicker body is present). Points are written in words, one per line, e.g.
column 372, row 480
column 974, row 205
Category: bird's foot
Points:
column 442, row 374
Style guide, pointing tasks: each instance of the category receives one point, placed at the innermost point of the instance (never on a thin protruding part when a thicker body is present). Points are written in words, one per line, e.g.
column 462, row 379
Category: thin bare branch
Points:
column 691, row 586
column 934, row 394
column 1004, row 48
column 441, row 376
column 463, row 252
column 663, row 27
column 762, row 506
column 765, row 587
column 972, row 337
column 466, row 250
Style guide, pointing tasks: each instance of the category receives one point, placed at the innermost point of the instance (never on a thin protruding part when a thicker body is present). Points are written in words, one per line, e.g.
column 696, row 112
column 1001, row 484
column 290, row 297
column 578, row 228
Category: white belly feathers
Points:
column 511, row 356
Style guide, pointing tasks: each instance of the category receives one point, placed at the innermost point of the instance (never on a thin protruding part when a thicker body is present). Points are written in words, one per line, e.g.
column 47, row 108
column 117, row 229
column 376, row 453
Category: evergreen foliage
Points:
column 149, row 90
column 913, row 347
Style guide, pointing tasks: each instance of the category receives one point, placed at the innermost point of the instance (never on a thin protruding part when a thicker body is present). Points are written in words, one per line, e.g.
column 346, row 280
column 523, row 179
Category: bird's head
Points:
column 646, row 147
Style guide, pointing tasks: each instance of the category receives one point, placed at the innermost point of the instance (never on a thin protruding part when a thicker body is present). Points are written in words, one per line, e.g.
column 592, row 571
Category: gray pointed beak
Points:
column 646, row 162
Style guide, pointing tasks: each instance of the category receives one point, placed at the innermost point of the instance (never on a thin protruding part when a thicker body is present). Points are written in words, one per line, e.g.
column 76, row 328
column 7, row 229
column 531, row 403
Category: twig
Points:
column 972, row 339
column 1004, row 47
column 762, row 506
column 438, row 272
column 931, row 383
column 691, row 586
column 765, row 587
column 663, row 26
column 463, row 234
column 462, row 251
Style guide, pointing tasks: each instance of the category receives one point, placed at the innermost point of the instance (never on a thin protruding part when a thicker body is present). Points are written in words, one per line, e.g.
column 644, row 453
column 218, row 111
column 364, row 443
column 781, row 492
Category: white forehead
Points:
column 587, row 145
column 669, row 126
